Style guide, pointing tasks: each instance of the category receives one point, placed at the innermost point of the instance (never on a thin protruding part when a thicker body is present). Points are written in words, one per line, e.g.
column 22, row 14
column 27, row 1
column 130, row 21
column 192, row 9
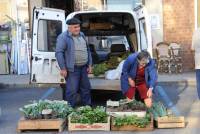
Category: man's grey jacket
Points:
column 65, row 51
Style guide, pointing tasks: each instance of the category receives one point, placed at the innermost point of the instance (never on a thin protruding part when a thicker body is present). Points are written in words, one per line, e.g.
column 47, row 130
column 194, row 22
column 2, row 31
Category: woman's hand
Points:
column 149, row 93
column 131, row 82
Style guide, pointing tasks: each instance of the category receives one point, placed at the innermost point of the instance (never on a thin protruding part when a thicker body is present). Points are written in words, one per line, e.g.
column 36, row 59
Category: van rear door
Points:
column 47, row 25
column 145, row 38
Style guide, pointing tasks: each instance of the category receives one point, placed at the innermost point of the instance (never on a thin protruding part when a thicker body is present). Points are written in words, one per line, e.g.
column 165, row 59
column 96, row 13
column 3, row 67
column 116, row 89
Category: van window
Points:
column 143, row 35
column 104, row 47
column 48, row 30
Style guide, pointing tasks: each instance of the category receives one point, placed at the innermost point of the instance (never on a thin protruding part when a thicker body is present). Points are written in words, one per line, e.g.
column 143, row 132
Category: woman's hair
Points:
column 143, row 54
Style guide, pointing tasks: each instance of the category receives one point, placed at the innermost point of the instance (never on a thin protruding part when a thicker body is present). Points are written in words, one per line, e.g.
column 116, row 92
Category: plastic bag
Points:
column 115, row 74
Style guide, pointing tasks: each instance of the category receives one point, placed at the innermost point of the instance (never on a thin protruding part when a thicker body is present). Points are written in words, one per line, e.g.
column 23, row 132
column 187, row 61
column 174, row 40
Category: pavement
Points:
column 184, row 99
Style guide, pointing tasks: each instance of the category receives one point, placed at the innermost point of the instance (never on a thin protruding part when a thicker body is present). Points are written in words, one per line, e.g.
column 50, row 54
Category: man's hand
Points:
column 63, row 73
column 131, row 82
column 149, row 92
column 89, row 70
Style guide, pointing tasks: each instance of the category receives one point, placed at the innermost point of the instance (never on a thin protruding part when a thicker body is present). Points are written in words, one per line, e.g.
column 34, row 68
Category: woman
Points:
column 139, row 73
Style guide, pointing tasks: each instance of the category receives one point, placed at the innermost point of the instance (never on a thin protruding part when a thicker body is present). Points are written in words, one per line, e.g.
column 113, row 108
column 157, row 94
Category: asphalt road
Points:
column 183, row 98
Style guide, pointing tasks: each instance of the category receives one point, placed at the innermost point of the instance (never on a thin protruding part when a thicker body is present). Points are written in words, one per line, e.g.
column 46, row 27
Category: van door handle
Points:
column 36, row 58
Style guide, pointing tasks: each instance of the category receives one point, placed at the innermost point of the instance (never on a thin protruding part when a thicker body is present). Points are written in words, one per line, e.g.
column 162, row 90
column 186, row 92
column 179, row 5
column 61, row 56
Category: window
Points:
column 122, row 4
column 48, row 30
column 143, row 36
column 84, row 5
column 104, row 47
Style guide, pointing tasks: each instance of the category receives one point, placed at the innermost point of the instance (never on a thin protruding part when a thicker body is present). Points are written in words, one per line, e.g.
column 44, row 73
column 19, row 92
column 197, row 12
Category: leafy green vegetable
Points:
column 88, row 115
column 124, row 56
column 136, row 105
column 31, row 111
column 132, row 120
column 129, row 106
column 60, row 109
column 99, row 69
column 158, row 110
column 112, row 63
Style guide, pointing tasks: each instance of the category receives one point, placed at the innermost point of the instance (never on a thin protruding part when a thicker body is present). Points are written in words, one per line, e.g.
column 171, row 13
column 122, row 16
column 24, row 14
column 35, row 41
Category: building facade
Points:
column 178, row 26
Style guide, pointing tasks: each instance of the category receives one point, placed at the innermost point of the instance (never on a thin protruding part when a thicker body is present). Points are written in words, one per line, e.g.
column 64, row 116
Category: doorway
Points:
column 67, row 5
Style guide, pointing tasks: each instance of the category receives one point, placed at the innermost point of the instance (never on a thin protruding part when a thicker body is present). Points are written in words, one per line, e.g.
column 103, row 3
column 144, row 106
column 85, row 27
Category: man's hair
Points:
column 143, row 54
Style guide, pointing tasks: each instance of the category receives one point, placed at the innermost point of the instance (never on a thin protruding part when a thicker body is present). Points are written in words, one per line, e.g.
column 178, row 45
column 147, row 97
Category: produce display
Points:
column 88, row 115
column 46, row 109
column 122, row 115
column 99, row 69
column 125, row 106
column 112, row 63
column 132, row 120
column 125, row 115
column 158, row 110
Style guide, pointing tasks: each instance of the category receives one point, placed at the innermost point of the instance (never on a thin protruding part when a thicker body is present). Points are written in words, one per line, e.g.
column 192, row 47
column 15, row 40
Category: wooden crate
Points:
column 41, row 124
column 96, row 26
column 170, row 122
column 149, row 127
column 89, row 127
column 118, row 113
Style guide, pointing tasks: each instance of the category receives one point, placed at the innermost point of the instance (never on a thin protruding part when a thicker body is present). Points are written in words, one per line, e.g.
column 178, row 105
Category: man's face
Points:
column 74, row 29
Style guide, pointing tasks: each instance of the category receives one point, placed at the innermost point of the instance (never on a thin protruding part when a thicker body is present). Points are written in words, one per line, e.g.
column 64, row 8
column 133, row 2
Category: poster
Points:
column 155, row 21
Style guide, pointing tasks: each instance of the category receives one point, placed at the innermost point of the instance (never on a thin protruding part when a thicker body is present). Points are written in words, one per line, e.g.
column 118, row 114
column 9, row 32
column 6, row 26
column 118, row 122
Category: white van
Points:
column 102, row 29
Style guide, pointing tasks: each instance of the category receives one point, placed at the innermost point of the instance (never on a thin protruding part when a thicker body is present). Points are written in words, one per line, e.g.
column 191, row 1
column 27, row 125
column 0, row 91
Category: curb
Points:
column 27, row 85
column 183, row 82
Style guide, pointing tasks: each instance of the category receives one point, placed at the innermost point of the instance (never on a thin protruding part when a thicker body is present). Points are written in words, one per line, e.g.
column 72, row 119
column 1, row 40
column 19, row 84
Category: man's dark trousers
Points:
column 198, row 82
column 78, row 81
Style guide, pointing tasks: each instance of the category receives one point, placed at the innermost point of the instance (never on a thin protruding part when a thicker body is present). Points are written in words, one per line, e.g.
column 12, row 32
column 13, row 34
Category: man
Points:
column 139, row 73
column 74, row 59
column 196, row 49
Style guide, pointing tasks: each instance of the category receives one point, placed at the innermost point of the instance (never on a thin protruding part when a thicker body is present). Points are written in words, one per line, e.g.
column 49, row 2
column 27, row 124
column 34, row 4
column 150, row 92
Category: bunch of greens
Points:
column 60, row 109
column 88, row 115
column 31, row 111
column 158, row 110
column 129, row 106
column 99, row 69
column 112, row 63
column 140, row 122
column 136, row 105
column 124, row 56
